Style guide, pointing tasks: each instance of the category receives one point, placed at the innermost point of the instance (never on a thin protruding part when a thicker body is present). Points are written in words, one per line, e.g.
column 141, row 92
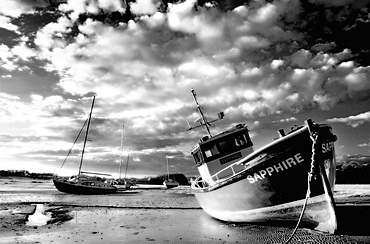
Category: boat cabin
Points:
column 213, row 155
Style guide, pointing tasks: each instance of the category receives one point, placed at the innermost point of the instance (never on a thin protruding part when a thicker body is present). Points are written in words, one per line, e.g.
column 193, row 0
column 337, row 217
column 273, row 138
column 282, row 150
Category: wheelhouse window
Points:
column 225, row 145
column 211, row 151
column 197, row 157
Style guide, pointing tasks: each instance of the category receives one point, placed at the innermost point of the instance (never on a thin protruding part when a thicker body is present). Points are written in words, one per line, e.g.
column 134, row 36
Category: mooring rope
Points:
column 313, row 137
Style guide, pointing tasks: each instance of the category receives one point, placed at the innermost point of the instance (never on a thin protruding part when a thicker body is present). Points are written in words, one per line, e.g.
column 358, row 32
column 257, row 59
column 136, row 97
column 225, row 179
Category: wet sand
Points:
column 156, row 216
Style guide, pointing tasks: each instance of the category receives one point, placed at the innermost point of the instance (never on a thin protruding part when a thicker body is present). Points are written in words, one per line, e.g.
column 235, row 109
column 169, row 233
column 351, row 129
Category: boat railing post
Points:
column 232, row 169
column 309, row 125
column 216, row 177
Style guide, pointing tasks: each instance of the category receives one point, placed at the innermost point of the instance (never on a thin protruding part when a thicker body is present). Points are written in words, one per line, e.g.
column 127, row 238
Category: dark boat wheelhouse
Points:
column 214, row 155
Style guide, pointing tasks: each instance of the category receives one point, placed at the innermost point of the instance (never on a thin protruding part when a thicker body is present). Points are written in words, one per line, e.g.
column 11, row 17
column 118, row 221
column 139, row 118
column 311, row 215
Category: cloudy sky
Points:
column 269, row 64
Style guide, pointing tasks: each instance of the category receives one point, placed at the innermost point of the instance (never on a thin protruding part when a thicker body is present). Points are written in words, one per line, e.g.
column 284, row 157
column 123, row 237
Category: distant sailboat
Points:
column 169, row 183
column 82, row 183
column 123, row 182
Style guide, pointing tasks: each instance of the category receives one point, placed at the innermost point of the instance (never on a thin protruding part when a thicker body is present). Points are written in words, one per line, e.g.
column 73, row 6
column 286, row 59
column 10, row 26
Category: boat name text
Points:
column 327, row 147
column 230, row 158
column 285, row 164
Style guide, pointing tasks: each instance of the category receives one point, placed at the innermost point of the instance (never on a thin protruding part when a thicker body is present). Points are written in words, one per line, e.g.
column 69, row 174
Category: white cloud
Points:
column 6, row 58
column 4, row 52
column 36, row 115
column 251, row 42
column 14, row 8
column 142, row 7
column 285, row 120
column 204, row 25
column 354, row 121
column 6, row 76
column 358, row 79
column 111, row 5
column 364, row 145
column 23, row 51
column 155, row 21
column 50, row 36
column 301, row 58
column 275, row 64
column 74, row 8
column 5, row 23
column 78, row 7
column 265, row 15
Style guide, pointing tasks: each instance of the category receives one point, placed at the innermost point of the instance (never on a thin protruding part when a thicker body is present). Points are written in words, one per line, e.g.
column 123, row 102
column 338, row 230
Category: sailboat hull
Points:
column 170, row 184
column 80, row 189
column 274, row 182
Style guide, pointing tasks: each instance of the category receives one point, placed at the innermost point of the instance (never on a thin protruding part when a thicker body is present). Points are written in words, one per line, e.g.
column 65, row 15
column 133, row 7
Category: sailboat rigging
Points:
column 123, row 182
column 169, row 183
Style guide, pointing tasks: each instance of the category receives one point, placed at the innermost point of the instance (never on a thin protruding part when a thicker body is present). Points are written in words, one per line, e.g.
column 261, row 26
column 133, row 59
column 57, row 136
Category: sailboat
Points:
column 83, row 183
column 169, row 183
column 123, row 183
column 290, row 179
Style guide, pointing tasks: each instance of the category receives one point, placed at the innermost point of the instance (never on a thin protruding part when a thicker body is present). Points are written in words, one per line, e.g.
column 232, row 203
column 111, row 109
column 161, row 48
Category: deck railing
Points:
column 220, row 175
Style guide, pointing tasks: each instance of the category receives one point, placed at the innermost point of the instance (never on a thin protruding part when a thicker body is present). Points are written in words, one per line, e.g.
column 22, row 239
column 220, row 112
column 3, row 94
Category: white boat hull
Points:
column 170, row 184
column 274, row 183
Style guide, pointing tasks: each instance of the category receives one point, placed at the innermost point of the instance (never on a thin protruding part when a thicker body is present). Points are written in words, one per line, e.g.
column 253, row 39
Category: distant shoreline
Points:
column 346, row 173
column 159, row 215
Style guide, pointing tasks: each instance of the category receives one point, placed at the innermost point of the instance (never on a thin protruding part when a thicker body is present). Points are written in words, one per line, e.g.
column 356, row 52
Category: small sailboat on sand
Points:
column 83, row 183
column 290, row 179
column 169, row 183
column 123, row 183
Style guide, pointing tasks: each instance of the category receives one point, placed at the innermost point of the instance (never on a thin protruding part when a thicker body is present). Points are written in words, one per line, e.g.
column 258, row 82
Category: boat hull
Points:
column 273, row 186
column 79, row 189
column 170, row 184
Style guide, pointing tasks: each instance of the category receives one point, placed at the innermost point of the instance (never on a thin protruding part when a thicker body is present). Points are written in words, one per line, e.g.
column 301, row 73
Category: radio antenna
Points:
column 204, row 122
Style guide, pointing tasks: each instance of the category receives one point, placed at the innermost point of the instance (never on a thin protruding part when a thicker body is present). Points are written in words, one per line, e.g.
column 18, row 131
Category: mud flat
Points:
column 156, row 216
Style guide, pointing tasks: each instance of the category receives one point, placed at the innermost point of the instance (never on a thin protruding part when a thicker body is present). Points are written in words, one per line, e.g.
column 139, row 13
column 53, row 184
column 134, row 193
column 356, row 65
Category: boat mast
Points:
column 128, row 156
column 120, row 165
column 168, row 169
column 87, row 132
column 204, row 119
column 204, row 122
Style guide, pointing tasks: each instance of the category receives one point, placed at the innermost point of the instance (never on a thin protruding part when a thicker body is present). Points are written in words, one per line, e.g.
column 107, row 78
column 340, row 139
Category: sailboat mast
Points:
column 87, row 132
column 204, row 119
column 128, row 156
column 121, row 159
column 168, row 169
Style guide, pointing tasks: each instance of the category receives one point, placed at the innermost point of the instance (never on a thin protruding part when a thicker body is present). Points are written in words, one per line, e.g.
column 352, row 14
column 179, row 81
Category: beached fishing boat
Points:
column 169, row 183
column 290, row 179
column 83, row 182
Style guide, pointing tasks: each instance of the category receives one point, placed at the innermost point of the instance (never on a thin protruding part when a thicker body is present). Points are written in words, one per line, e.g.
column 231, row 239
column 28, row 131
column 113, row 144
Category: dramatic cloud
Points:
column 267, row 63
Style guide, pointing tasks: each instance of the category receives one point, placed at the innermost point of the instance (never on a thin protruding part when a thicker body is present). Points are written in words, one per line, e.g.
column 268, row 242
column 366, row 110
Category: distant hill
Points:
column 158, row 180
column 353, row 169
column 25, row 173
